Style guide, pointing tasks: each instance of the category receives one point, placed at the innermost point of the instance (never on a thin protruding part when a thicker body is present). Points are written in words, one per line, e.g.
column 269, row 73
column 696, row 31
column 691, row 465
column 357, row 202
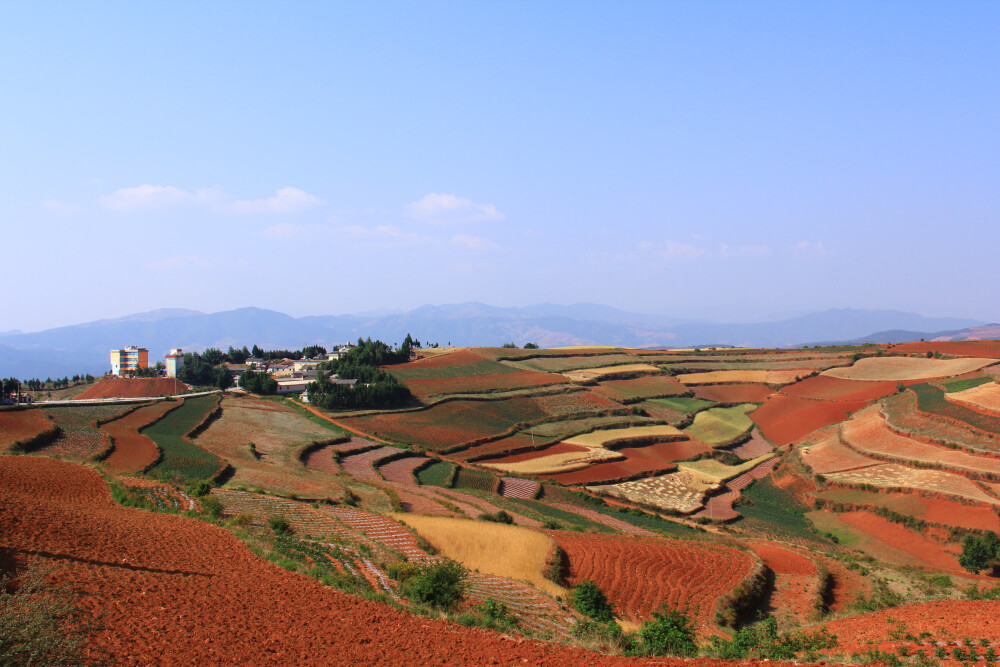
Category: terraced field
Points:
column 80, row 440
column 622, row 371
column 18, row 426
column 829, row 454
column 553, row 364
column 932, row 400
column 895, row 476
column 722, row 426
column 830, row 388
column 787, row 419
column 895, row 369
column 901, row 414
column 181, row 457
column 774, row 378
column 658, row 458
column 733, row 393
column 134, row 451
column 636, row 389
column 676, row 491
column 639, row 574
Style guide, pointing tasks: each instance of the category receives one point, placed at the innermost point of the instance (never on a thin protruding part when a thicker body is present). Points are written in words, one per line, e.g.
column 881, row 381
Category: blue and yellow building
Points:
column 128, row 360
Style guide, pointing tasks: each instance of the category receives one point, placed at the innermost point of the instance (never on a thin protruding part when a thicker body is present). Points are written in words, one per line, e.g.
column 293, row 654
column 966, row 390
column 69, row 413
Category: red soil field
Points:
column 788, row 479
column 943, row 619
column 22, row 425
column 782, row 560
column 482, row 383
column 638, row 459
column 177, row 590
column 640, row 574
column 499, row 447
column 953, row 513
column 559, row 448
column 826, row 388
column 133, row 451
column 115, row 387
column 457, row 358
column 796, row 584
column 579, row 401
column 733, row 393
column 787, row 419
column 642, row 387
column 896, row 535
column 972, row 348
column 847, row 584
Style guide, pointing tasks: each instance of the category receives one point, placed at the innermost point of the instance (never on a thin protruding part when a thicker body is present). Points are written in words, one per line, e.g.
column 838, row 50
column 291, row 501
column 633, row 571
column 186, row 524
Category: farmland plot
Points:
column 674, row 491
column 635, row 389
column 657, row 458
column 80, row 440
column 895, row 476
column 733, row 393
column 894, row 369
column 560, row 461
column 620, row 437
column 830, row 455
column 181, row 457
column 430, row 388
column 721, row 426
column 787, row 419
column 829, row 388
column 867, row 433
column 931, row 400
column 624, row 370
column 134, row 451
column 779, row 377
column 901, row 414
column 640, row 574
column 21, row 426
column 984, row 398
column 573, row 363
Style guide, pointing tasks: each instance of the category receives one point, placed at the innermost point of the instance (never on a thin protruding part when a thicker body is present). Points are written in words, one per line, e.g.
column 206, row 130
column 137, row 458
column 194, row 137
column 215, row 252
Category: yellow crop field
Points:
column 776, row 377
column 553, row 463
column 891, row 475
column 493, row 548
column 710, row 472
column 893, row 369
column 985, row 397
column 606, row 437
column 588, row 374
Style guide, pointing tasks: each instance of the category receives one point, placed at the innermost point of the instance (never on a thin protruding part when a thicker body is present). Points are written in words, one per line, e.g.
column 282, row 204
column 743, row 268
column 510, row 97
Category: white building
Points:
column 175, row 360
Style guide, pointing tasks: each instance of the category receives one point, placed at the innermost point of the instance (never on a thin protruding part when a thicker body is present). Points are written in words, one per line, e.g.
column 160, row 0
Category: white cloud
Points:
column 448, row 209
column 473, row 242
column 60, row 208
column 286, row 200
column 146, row 198
column 287, row 230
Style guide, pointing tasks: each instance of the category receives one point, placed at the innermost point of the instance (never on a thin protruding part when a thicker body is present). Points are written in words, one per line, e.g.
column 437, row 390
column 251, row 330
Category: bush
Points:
column 590, row 600
column 212, row 506
column 440, row 585
column 500, row 517
column 763, row 641
column 40, row 623
column 979, row 552
column 280, row 525
column 670, row 632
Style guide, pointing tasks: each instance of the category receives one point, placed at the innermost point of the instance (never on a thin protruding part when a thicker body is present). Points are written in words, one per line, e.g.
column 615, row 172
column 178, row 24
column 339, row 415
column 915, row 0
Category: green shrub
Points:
column 280, row 525
column 212, row 506
column 440, row 585
column 590, row 600
column 670, row 632
column 501, row 516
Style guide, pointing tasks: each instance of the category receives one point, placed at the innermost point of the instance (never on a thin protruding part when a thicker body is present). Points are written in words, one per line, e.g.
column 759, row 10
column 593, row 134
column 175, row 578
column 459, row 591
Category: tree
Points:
column 440, row 585
column 531, row 346
column 669, row 633
column 259, row 383
column 590, row 600
column 979, row 552
column 223, row 380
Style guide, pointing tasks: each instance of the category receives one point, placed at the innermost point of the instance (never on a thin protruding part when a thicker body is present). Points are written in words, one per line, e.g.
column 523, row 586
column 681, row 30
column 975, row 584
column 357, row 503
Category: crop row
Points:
column 179, row 456
column 931, row 400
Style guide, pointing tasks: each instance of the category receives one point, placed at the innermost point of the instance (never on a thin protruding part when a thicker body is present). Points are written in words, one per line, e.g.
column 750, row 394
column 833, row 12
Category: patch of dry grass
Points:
column 892, row 369
column 494, row 548
column 605, row 437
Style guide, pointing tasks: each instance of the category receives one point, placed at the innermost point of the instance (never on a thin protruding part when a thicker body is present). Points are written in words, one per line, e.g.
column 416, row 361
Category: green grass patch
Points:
column 180, row 457
column 968, row 383
column 467, row 478
column 775, row 512
column 682, row 403
column 563, row 364
column 828, row 523
column 721, row 426
column 436, row 474
column 476, row 369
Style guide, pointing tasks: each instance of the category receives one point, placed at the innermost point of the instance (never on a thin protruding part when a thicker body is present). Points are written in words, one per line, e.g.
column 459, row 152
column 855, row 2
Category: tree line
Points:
column 375, row 388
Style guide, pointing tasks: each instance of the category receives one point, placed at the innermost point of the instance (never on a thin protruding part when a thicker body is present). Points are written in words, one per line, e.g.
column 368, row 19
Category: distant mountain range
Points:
column 83, row 348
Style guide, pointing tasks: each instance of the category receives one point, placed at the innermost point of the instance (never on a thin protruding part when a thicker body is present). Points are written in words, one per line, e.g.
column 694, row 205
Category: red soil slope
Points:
column 134, row 451
column 176, row 590
column 733, row 393
column 989, row 349
column 787, row 419
column 115, row 387
column 640, row 574
column 21, row 425
column 826, row 388
column 944, row 620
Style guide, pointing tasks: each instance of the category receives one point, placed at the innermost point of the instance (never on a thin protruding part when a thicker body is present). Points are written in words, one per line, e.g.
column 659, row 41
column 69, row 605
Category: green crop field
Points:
column 681, row 403
column 968, row 383
column 79, row 440
column 436, row 474
column 931, row 400
column 908, row 505
column 774, row 512
column 563, row 364
column 180, row 457
column 482, row 368
column 719, row 426
column 467, row 478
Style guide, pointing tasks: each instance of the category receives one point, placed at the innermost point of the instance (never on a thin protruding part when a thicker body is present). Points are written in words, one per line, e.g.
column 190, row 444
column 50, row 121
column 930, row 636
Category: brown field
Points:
column 493, row 548
column 560, row 364
column 923, row 549
column 894, row 476
column 462, row 356
column 786, row 419
column 776, row 377
column 640, row 574
column 619, row 436
column 901, row 414
column 733, row 393
column 479, row 384
column 867, row 433
column 499, row 448
column 116, row 387
column 133, row 451
column 829, row 454
column 827, row 388
column 22, row 425
column 985, row 398
column 647, row 386
column 894, row 369
column 547, row 464
column 593, row 374
column 558, row 448
column 970, row 348
column 561, row 405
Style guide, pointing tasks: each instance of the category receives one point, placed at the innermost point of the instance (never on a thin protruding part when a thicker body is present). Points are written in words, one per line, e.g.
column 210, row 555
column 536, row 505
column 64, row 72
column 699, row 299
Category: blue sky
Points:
column 726, row 161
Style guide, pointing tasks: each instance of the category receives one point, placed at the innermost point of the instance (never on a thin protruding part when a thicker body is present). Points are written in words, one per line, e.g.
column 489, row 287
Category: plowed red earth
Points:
column 787, row 419
column 733, row 393
column 115, row 387
column 952, row 513
column 640, row 574
column 134, row 451
column 973, row 348
column 22, row 425
column 826, row 388
column 951, row 619
column 559, row 448
column 782, row 560
column 637, row 460
column 178, row 591
column 457, row 358
column 895, row 535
